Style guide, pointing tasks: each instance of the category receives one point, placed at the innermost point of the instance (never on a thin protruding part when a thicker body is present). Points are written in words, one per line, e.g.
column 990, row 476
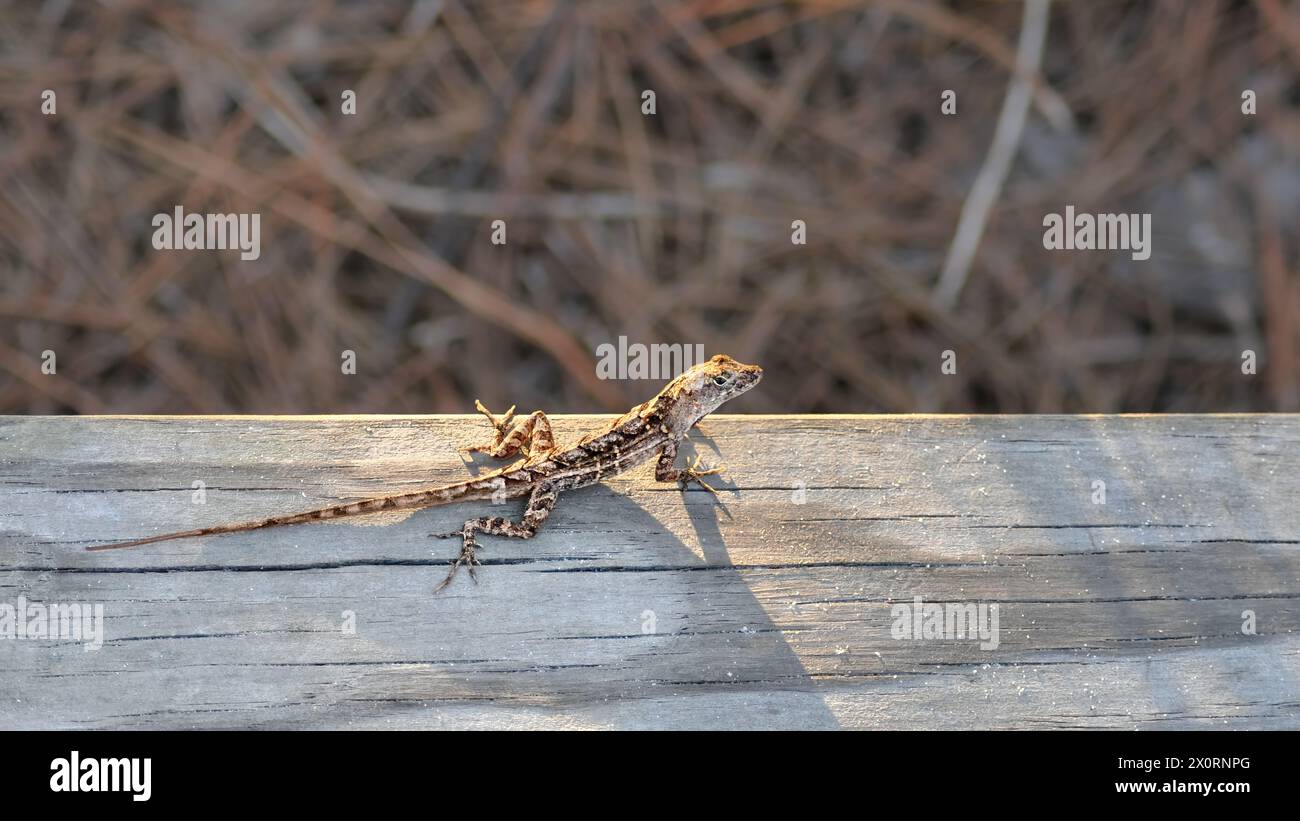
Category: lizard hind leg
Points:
column 539, row 508
column 530, row 435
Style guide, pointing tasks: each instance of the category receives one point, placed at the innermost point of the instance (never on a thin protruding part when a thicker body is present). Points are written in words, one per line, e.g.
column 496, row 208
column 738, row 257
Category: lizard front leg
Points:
column 529, row 435
column 665, row 472
column 539, row 507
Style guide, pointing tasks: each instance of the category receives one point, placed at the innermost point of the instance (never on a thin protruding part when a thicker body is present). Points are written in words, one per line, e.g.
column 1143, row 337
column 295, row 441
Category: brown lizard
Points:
column 545, row 471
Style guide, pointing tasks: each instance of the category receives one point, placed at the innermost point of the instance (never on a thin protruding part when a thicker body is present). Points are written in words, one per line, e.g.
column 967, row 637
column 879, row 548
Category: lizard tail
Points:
column 407, row 501
column 136, row 543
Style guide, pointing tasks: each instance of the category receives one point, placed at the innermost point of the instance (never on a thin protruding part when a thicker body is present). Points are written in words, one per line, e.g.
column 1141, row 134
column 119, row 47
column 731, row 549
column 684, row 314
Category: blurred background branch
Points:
column 673, row 227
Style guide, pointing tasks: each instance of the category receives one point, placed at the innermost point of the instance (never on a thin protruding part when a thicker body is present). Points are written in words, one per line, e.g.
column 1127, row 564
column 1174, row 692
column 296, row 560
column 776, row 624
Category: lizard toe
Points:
column 692, row 476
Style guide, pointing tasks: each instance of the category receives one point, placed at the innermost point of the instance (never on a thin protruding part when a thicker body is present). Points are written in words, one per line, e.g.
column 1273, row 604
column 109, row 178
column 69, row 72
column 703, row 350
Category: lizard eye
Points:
column 719, row 381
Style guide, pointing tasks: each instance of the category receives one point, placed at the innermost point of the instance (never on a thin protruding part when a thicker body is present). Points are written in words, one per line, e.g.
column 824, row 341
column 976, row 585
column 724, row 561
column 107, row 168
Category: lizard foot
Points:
column 502, row 426
column 466, row 558
column 694, row 474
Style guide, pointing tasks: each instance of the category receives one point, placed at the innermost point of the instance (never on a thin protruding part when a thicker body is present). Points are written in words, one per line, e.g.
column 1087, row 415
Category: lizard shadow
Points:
column 615, row 615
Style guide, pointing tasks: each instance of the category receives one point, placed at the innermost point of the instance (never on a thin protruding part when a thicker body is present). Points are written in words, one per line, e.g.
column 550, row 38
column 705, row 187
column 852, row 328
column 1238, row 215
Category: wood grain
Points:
column 639, row 606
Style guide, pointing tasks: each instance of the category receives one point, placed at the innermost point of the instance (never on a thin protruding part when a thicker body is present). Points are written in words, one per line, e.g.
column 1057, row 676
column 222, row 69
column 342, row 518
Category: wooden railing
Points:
column 1145, row 572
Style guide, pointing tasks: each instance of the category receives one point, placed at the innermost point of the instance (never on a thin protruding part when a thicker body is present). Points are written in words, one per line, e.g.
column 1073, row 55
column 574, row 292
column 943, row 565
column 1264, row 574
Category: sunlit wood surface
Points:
column 639, row 606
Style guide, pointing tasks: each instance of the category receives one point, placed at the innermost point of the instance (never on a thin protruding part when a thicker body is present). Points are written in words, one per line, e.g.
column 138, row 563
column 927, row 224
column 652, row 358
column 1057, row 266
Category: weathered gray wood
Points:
column 766, row 612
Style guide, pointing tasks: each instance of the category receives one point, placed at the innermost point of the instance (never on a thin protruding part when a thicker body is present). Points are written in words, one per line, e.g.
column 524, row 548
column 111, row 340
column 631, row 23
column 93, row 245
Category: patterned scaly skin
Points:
column 652, row 428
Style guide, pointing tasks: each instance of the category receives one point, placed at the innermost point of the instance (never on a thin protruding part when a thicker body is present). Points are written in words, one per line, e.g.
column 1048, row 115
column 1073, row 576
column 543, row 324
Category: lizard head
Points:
column 700, row 390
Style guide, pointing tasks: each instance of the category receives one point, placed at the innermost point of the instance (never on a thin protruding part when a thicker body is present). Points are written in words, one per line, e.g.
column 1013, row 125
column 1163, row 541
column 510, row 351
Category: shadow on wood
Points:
column 1120, row 605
